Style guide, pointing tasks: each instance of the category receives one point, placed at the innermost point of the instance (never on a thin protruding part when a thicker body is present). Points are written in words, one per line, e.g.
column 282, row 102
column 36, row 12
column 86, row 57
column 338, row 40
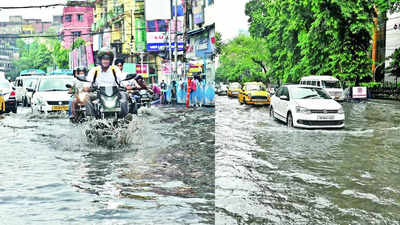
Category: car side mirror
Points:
column 29, row 89
column 68, row 86
column 130, row 76
column 13, row 88
column 284, row 97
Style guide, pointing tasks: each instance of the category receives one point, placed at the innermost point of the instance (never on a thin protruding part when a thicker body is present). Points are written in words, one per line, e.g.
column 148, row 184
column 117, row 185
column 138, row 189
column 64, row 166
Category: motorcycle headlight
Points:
column 341, row 110
column 303, row 110
column 82, row 97
column 109, row 103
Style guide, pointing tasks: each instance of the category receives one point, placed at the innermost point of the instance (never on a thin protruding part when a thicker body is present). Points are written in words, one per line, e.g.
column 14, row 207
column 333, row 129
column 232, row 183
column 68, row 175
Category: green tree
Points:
column 244, row 59
column 394, row 67
column 316, row 37
column 78, row 43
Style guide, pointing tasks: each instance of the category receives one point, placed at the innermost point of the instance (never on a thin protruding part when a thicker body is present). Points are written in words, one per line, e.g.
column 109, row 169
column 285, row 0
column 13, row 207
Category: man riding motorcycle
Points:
column 76, row 87
column 106, row 75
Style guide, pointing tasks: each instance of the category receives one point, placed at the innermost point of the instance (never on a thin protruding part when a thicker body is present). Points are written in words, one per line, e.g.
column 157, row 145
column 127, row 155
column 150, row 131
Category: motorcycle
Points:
column 80, row 99
column 138, row 99
column 105, row 102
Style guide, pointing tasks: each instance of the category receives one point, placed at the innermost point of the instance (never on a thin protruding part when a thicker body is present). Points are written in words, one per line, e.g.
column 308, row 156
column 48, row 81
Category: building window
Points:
column 68, row 18
column 80, row 17
column 76, row 34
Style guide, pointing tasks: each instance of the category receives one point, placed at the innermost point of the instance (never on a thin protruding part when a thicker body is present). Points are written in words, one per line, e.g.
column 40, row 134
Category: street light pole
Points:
column 176, row 41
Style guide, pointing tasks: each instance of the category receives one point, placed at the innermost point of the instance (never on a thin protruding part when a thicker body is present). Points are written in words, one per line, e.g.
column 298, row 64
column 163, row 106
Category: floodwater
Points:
column 159, row 171
column 267, row 173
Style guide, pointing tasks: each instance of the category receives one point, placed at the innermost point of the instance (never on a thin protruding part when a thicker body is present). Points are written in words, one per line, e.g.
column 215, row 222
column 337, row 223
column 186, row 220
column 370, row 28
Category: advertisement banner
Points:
column 360, row 92
column 198, row 12
column 140, row 34
column 157, row 9
column 158, row 41
column 143, row 71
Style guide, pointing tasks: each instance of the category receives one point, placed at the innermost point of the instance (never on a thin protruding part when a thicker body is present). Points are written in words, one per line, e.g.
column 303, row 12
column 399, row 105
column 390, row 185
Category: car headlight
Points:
column 303, row 110
column 341, row 110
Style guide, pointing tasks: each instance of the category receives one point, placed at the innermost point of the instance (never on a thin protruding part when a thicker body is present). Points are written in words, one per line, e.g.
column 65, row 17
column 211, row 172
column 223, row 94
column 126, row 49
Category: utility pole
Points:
column 176, row 41
column 169, row 48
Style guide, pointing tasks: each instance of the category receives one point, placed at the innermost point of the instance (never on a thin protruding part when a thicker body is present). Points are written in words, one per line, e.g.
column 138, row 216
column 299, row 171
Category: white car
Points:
column 51, row 94
column 7, row 95
column 30, row 86
column 306, row 107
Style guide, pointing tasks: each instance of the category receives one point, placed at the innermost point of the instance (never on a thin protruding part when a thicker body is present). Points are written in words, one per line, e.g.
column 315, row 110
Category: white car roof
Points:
column 300, row 85
column 321, row 77
column 57, row 77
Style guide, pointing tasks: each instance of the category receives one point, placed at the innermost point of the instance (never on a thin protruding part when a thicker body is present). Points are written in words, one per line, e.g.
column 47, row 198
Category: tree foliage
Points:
column 394, row 67
column 40, row 55
column 244, row 59
column 316, row 37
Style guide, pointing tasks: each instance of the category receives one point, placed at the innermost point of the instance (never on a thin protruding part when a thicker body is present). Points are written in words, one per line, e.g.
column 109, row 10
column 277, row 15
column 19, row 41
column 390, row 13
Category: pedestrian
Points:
column 163, row 86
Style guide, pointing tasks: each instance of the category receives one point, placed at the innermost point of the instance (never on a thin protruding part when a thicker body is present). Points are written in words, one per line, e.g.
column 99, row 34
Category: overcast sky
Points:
column 44, row 14
column 230, row 18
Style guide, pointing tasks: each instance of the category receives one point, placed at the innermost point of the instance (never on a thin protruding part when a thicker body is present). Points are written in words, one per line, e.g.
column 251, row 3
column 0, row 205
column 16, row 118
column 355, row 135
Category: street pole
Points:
column 170, row 50
column 176, row 41
column 141, row 64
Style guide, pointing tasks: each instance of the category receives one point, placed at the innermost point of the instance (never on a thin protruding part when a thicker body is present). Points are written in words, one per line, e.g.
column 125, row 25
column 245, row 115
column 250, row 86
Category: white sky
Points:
column 230, row 17
column 45, row 14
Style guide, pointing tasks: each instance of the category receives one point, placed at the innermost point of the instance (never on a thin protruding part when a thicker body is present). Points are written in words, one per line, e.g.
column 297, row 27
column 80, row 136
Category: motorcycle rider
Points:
column 106, row 75
column 75, row 88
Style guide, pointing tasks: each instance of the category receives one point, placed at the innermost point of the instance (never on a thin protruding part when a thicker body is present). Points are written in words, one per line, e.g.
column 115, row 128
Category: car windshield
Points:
column 4, row 84
column 28, row 81
column 255, row 87
column 331, row 84
column 235, row 86
column 56, row 84
column 309, row 93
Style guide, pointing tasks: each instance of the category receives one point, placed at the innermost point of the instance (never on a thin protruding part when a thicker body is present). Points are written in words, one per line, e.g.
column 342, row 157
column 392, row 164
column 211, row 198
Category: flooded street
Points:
column 269, row 174
column 51, row 174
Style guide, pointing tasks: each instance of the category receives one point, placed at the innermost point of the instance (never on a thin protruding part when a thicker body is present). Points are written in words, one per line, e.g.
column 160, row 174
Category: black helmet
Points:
column 105, row 53
column 81, row 69
column 118, row 61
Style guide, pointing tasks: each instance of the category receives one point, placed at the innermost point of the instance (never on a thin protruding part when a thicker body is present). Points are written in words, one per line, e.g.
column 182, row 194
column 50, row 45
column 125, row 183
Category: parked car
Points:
column 234, row 89
column 51, row 94
column 306, row 107
column 254, row 93
column 331, row 85
column 8, row 102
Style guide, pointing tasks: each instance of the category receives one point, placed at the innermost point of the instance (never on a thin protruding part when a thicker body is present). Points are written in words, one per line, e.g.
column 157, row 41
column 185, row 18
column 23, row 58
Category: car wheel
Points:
column 271, row 112
column 244, row 101
column 14, row 110
column 289, row 120
column 241, row 102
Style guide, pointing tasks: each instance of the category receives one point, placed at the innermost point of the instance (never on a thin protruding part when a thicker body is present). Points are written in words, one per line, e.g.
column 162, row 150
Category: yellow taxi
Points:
column 234, row 89
column 254, row 93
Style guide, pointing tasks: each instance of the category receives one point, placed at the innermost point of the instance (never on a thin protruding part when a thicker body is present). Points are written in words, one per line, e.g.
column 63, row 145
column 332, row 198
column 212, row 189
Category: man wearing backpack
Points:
column 106, row 75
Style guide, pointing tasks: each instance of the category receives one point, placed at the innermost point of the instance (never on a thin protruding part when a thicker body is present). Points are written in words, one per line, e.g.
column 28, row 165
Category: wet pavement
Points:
column 51, row 174
column 267, row 173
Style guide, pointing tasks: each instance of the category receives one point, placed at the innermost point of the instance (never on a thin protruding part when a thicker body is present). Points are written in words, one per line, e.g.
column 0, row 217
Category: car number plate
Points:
column 326, row 117
column 59, row 108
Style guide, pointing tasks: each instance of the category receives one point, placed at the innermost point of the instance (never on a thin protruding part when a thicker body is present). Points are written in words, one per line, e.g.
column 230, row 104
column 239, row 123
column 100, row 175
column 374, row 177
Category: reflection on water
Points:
column 51, row 174
column 269, row 174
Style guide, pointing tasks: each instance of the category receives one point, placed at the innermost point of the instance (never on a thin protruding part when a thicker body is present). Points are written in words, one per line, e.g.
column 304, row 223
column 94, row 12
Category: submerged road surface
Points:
column 51, row 174
column 267, row 173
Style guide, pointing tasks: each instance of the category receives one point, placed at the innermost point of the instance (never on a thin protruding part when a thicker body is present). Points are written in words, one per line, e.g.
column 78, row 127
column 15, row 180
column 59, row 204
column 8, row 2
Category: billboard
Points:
column 198, row 11
column 157, row 35
column 140, row 34
column 157, row 9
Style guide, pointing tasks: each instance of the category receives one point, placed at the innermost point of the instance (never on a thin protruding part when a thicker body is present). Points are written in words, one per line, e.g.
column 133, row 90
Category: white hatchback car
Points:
column 51, row 94
column 306, row 107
